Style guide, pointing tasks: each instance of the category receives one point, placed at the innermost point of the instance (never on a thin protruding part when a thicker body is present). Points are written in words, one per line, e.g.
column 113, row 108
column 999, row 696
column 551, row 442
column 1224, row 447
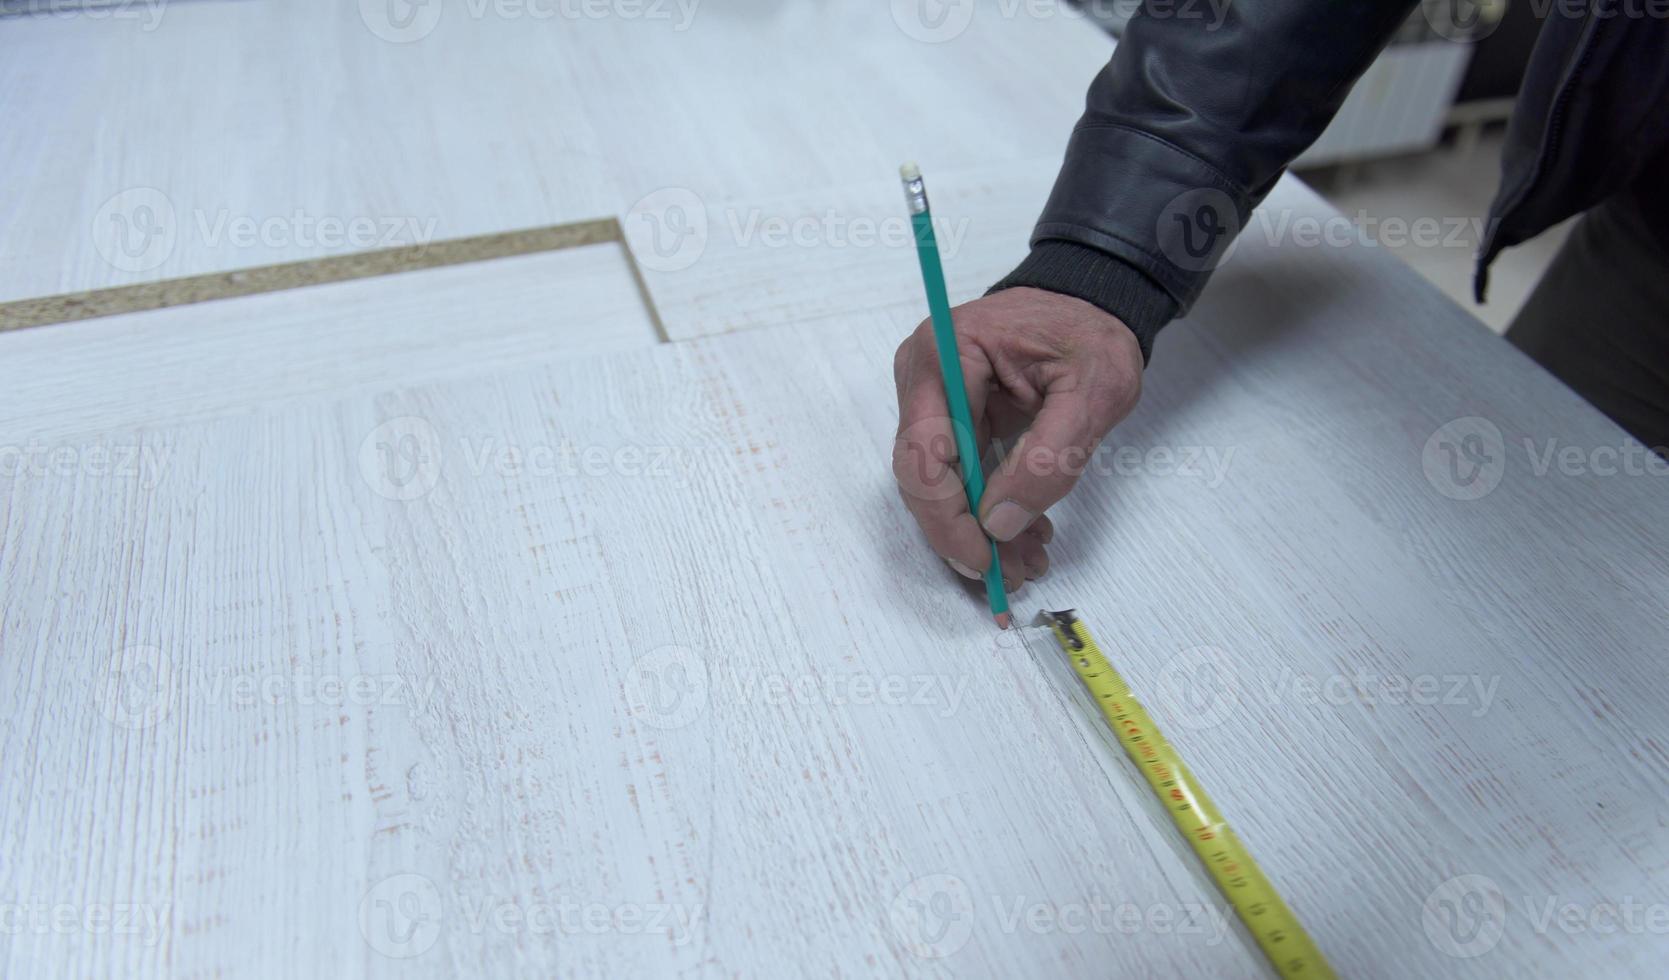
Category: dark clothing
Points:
column 1599, row 318
column 1592, row 121
column 1194, row 120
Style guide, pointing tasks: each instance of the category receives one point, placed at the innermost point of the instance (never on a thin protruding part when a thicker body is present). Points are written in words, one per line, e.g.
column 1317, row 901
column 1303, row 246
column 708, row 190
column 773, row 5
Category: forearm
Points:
column 1184, row 132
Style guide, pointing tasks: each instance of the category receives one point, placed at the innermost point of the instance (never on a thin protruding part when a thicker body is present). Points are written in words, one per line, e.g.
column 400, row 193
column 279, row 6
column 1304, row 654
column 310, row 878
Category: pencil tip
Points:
column 1003, row 619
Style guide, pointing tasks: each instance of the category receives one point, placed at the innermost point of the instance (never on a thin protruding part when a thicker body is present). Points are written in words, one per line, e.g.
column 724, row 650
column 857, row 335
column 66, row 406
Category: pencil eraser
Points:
column 909, row 171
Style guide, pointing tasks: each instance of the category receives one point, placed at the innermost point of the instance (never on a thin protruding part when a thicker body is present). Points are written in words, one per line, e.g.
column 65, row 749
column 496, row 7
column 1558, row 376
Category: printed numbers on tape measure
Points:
column 1277, row 931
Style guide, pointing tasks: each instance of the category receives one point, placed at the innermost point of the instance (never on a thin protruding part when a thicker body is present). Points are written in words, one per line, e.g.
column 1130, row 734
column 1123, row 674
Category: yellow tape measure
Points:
column 1276, row 929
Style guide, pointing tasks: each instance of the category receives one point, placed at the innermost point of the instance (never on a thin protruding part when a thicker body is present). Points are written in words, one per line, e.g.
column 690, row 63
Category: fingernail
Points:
column 962, row 569
column 1007, row 519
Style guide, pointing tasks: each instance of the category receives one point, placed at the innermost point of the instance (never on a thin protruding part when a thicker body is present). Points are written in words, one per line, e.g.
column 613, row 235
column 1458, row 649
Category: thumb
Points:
column 1044, row 465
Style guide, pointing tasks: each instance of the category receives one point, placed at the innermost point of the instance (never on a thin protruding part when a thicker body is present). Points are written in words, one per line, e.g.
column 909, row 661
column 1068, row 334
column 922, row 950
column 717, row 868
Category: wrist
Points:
column 1100, row 280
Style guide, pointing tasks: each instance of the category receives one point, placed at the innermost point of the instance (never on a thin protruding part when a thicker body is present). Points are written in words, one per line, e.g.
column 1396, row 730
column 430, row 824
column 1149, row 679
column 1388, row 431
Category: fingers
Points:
column 1055, row 370
column 1048, row 459
column 925, row 459
column 1023, row 559
column 924, row 464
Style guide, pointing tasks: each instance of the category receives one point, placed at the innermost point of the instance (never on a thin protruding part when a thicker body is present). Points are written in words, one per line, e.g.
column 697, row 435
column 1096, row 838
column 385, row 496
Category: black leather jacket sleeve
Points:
column 1185, row 131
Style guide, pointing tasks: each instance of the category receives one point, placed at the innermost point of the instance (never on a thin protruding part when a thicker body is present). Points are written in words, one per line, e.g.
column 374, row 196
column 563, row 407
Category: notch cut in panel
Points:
column 211, row 358
column 232, row 283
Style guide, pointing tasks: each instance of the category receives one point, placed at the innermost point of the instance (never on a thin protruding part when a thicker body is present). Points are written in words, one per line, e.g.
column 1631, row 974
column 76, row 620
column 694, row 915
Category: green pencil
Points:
column 950, row 368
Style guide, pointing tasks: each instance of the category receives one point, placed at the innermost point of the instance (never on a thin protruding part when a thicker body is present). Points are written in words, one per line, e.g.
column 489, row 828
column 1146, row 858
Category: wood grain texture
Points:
column 67, row 307
column 141, row 144
column 634, row 664
column 676, row 688
column 1464, row 688
column 716, row 266
column 437, row 626
column 243, row 355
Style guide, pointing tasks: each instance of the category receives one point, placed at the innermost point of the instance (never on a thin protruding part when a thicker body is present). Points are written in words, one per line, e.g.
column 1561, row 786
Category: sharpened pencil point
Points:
column 1003, row 619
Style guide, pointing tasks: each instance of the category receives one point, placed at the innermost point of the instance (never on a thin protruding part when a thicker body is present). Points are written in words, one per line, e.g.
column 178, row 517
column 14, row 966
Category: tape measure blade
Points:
column 1273, row 926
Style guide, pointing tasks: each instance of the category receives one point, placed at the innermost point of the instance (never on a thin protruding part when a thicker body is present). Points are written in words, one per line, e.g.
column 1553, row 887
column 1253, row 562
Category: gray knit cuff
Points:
column 1099, row 279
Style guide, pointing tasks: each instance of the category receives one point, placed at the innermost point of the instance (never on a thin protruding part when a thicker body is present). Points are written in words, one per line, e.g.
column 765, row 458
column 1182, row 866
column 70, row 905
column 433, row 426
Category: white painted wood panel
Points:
column 249, row 353
column 715, row 266
column 682, row 690
column 1311, row 572
column 649, row 634
column 139, row 145
column 137, row 152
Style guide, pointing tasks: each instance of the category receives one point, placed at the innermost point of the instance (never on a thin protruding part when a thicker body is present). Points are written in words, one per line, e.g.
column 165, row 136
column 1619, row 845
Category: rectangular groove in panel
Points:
column 69, row 307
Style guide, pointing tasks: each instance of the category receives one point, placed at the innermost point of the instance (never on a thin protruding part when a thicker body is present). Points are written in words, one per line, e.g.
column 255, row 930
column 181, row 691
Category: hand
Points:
column 1053, row 367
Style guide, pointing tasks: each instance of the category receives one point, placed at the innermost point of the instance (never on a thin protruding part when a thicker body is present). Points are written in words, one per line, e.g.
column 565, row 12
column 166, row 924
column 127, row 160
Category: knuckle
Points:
column 923, row 478
column 905, row 459
column 901, row 362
